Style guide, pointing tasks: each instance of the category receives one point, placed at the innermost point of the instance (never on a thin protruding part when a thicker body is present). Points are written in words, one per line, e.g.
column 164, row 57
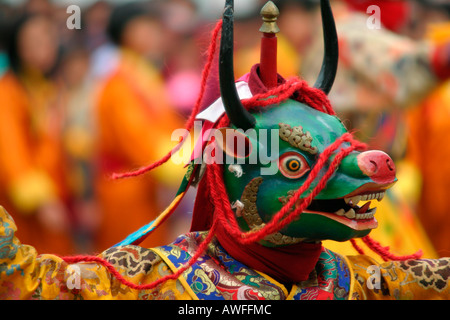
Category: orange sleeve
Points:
column 26, row 185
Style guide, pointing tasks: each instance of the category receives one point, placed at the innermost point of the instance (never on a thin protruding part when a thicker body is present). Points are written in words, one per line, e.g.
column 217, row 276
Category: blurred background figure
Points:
column 5, row 11
column 32, row 167
column 183, row 58
column 429, row 127
column 135, row 121
column 296, row 24
column 78, row 133
column 87, row 57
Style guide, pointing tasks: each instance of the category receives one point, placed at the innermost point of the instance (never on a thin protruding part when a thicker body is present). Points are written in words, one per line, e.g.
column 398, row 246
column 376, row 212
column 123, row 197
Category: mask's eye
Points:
column 293, row 165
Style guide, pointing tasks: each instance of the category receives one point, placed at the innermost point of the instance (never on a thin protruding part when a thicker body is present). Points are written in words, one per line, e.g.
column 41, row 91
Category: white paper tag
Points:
column 216, row 109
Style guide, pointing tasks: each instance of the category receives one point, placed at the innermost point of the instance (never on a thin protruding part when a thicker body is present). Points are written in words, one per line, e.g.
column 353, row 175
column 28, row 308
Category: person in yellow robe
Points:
column 134, row 126
column 31, row 163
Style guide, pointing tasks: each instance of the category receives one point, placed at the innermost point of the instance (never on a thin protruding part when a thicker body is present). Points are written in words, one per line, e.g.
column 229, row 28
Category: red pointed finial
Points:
column 269, row 29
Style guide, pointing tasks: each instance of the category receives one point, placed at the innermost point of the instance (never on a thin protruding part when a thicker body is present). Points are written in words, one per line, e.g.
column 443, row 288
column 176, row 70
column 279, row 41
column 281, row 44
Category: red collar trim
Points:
column 255, row 83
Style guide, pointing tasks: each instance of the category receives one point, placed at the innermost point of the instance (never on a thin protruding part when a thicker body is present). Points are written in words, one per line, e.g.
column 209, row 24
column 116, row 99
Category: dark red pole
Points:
column 268, row 59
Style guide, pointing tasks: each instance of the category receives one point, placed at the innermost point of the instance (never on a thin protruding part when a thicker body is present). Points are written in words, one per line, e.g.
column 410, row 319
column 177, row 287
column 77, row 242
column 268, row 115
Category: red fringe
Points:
column 201, row 248
column 384, row 253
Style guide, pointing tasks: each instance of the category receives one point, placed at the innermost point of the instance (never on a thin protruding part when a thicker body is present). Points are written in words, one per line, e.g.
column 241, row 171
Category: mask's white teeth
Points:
column 352, row 201
column 368, row 215
column 380, row 196
column 350, row 214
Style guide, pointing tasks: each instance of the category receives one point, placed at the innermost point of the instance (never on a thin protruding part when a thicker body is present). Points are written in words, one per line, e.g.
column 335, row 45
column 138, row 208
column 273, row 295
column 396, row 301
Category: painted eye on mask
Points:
column 293, row 165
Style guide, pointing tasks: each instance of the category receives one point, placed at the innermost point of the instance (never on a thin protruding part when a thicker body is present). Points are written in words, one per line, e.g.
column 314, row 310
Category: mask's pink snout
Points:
column 377, row 165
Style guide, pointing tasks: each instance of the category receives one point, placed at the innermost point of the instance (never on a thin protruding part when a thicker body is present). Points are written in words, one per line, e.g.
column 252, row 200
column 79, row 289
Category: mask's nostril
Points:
column 372, row 168
column 390, row 164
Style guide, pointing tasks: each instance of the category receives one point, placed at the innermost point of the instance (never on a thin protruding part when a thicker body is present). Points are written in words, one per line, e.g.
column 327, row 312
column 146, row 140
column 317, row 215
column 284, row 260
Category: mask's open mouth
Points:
column 356, row 210
column 348, row 207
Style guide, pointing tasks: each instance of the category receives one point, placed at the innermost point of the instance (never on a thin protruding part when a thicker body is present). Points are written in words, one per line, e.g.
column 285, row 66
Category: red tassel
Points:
column 384, row 253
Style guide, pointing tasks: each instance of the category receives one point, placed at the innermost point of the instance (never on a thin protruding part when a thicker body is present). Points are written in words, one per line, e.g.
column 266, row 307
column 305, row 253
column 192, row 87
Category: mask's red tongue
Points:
column 364, row 208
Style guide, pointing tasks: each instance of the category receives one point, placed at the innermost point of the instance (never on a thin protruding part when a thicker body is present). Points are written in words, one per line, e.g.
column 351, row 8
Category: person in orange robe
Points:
column 32, row 184
column 429, row 131
column 134, row 123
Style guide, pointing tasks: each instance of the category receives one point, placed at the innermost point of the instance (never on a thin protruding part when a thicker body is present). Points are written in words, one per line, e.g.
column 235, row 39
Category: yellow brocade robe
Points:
column 26, row 275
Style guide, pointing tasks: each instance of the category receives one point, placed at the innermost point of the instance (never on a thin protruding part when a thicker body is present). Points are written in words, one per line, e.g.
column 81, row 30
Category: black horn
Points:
column 327, row 73
column 236, row 112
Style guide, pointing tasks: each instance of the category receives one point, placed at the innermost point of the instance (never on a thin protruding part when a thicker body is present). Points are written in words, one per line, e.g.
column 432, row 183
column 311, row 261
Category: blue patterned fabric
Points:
column 217, row 276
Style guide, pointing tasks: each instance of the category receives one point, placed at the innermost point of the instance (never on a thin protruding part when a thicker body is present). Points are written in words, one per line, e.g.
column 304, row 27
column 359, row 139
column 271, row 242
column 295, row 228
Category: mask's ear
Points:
column 233, row 142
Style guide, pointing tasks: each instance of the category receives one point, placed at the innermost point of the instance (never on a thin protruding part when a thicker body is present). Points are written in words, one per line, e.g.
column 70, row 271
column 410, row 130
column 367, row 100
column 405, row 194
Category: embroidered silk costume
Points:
column 27, row 275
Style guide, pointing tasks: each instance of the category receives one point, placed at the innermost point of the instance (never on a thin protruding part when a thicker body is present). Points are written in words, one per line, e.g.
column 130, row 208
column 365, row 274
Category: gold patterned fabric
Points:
column 26, row 275
column 424, row 279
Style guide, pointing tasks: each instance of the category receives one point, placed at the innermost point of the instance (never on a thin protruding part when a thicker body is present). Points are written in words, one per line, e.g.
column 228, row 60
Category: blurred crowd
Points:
column 79, row 104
